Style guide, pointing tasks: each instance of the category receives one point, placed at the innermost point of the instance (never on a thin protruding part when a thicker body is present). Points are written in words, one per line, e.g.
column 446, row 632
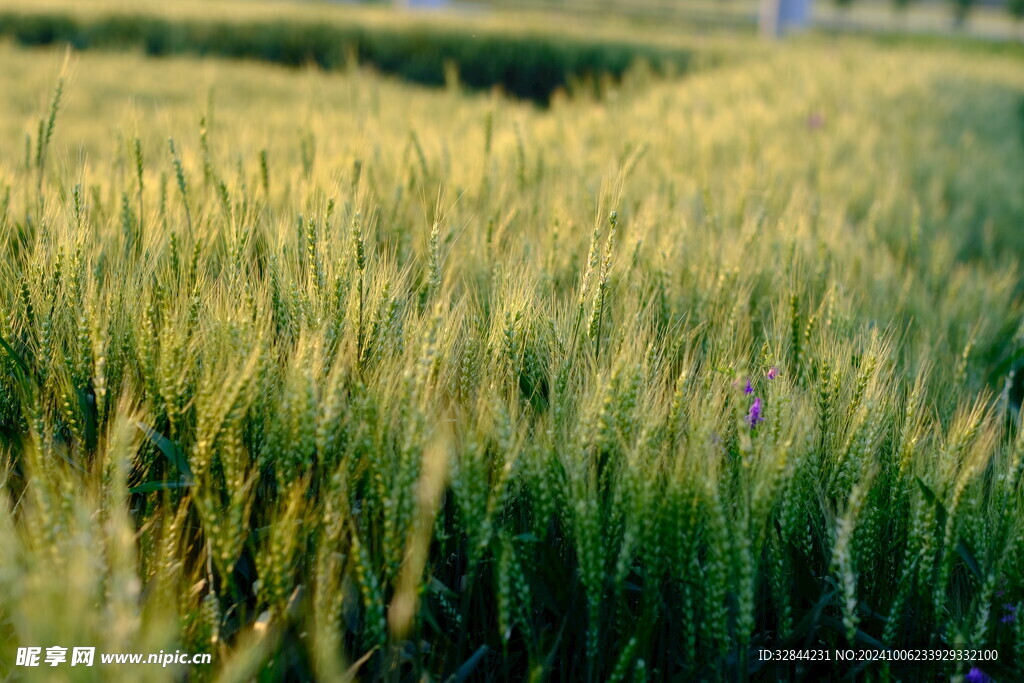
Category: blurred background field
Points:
column 999, row 20
column 528, row 49
column 558, row 343
column 992, row 19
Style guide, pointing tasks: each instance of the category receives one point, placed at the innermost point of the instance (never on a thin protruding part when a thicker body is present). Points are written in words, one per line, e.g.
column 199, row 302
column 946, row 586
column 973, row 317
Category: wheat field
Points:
column 331, row 376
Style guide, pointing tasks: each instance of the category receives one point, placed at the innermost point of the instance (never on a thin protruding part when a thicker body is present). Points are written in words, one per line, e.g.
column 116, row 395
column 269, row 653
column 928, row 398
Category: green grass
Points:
column 355, row 378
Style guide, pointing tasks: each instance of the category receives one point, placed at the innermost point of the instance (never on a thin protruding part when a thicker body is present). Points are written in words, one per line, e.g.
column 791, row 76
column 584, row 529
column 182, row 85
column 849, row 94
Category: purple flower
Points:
column 754, row 416
column 976, row 675
column 749, row 388
column 1011, row 614
column 773, row 372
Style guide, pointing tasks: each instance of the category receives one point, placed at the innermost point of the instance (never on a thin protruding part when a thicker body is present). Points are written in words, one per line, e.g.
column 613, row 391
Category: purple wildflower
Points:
column 1010, row 616
column 773, row 372
column 976, row 675
column 749, row 388
column 754, row 416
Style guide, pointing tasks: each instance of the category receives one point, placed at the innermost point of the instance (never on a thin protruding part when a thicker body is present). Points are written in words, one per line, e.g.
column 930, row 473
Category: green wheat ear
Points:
column 179, row 176
column 46, row 128
column 264, row 172
column 597, row 315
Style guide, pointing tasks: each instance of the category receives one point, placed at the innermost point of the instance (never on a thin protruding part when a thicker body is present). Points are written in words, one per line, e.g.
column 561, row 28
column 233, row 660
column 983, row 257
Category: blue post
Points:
column 780, row 16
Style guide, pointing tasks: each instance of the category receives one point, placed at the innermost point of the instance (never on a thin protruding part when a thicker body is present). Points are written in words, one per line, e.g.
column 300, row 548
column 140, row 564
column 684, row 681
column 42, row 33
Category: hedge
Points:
column 526, row 65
